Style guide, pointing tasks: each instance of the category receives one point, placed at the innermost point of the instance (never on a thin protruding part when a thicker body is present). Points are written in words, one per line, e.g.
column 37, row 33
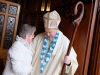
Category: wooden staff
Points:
column 76, row 24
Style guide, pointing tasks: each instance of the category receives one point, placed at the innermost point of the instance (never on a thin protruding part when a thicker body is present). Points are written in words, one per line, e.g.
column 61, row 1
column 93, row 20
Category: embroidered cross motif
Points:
column 53, row 24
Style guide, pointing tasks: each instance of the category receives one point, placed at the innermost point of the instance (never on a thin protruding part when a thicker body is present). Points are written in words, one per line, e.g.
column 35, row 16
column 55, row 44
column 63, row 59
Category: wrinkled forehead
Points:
column 50, row 29
column 46, row 28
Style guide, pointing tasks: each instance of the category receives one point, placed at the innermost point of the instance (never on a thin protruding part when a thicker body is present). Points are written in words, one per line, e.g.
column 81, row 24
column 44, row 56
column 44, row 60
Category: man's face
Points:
column 50, row 32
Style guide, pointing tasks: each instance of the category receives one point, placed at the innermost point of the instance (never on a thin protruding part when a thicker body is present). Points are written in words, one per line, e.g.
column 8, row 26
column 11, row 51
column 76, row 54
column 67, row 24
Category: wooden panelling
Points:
column 9, row 29
column 94, row 67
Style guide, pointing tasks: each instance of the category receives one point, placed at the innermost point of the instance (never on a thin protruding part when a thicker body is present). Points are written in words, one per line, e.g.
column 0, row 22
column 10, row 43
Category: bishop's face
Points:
column 50, row 32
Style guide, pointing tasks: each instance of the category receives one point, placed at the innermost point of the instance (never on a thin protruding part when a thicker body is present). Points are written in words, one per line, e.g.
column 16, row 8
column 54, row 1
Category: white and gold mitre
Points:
column 51, row 19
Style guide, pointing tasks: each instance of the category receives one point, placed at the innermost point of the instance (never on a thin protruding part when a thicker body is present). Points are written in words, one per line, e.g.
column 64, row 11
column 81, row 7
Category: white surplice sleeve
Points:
column 74, row 64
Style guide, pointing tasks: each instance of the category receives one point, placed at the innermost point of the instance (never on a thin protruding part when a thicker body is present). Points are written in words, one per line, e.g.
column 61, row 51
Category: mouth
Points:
column 49, row 37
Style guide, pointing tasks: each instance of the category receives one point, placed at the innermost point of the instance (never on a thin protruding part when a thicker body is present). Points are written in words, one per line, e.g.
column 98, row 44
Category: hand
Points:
column 67, row 60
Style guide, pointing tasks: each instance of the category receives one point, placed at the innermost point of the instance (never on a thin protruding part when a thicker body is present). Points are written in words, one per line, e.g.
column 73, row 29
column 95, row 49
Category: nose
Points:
column 48, row 34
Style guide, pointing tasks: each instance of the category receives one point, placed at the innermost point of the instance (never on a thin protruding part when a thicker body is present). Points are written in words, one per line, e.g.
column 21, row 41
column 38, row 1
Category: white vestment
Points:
column 57, row 59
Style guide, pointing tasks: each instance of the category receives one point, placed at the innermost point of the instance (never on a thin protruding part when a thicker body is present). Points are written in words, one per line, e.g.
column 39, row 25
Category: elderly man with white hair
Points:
column 50, row 49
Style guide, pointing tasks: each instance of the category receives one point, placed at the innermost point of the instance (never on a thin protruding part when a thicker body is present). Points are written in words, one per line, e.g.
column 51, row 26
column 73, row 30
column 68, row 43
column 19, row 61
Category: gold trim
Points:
column 50, row 18
column 53, row 55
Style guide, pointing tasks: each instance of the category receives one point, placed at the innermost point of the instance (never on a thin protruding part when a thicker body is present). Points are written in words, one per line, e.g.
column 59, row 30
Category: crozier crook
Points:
column 78, row 20
column 76, row 23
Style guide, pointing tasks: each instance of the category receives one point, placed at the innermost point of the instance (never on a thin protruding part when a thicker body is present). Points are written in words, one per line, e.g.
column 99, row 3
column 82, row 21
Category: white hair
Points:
column 26, row 29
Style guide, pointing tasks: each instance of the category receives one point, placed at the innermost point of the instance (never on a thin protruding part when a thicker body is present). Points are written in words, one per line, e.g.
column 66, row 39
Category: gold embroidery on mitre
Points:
column 53, row 24
column 51, row 18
